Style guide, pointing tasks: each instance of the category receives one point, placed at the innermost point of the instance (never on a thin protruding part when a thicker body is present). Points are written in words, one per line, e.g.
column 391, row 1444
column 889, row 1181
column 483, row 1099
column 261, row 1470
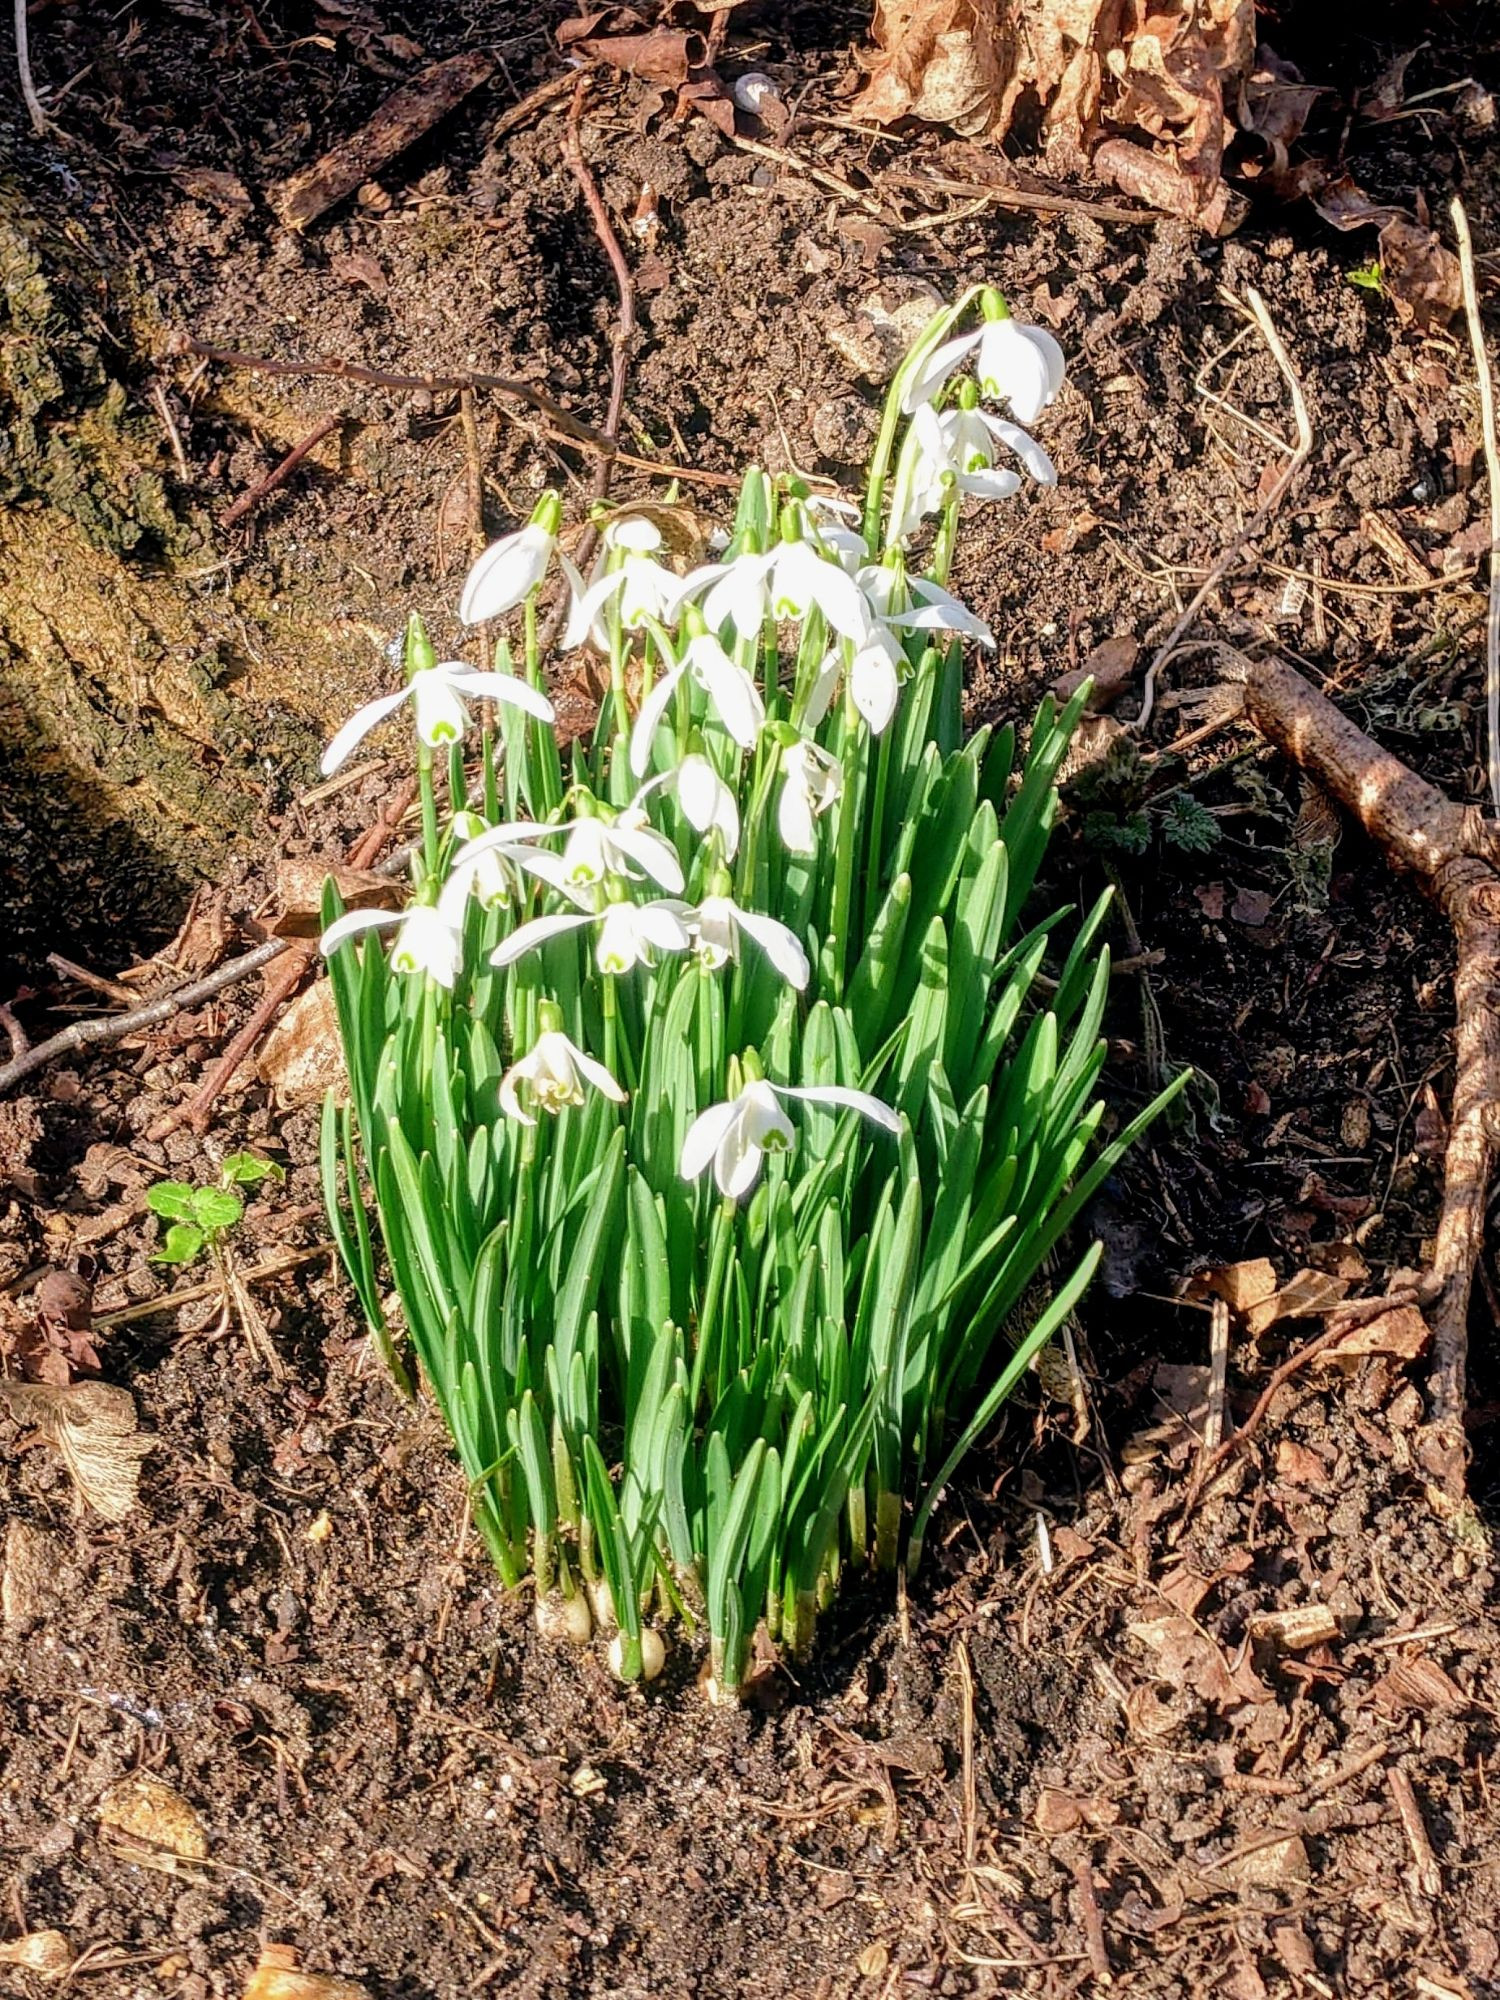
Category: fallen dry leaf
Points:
column 279, row 1976
column 1417, row 1684
column 1187, row 1658
column 1110, row 666
column 148, row 1822
column 93, row 1425
column 1240, row 1285
column 1420, row 274
column 35, row 1575
column 303, row 1056
column 1400, row 1332
column 46, row 1953
column 1304, row 1294
column 1273, row 1864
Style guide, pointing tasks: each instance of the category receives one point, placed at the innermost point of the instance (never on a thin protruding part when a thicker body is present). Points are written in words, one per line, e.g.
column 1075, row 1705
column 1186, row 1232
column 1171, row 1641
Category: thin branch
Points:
column 23, row 64
column 1258, row 521
column 278, row 473
column 115, row 1027
column 578, row 166
column 1492, row 476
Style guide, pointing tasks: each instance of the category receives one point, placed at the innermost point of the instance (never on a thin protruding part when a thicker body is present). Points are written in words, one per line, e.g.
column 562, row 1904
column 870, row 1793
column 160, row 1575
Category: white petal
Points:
column 586, row 606
column 506, row 834
column 703, row 1138
column 708, row 802
column 1025, row 447
column 510, row 1103
column 779, row 943
column 596, row 1074
column 659, row 924
column 936, row 369
column 653, row 708
column 845, row 1100
column 794, row 817
column 990, row 482
column 351, row 923
column 632, row 531
column 1018, row 365
column 506, row 574
column 426, row 942
column 820, row 694
column 501, row 687
column 358, row 727
column 730, row 688
column 441, row 717
column 535, row 933
column 737, row 1164
column 657, row 856
column 874, row 686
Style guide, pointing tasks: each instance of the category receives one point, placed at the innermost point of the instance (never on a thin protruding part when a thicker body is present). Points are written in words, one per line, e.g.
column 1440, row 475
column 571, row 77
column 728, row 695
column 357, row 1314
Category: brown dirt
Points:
column 393, row 1774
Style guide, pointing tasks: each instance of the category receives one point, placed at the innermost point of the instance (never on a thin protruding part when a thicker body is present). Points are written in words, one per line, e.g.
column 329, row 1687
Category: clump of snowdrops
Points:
column 714, row 1130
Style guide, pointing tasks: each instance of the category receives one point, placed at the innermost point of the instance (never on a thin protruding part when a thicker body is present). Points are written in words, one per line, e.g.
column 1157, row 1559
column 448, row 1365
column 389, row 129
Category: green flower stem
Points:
column 843, row 875
column 944, row 543
column 718, row 1264
column 429, row 809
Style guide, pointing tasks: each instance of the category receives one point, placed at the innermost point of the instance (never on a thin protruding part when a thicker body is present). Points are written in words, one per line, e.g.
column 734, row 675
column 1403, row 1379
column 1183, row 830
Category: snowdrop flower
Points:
column 717, row 924
column 731, row 691
column 646, row 588
column 429, row 937
column 555, row 1073
column 787, row 582
column 875, row 675
column 1021, row 365
column 934, row 609
column 488, row 868
column 707, row 803
column 626, row 845
column 628, row 934
column 510, row 569
column 813, row 783
column 437, row 696
column 734, row 1138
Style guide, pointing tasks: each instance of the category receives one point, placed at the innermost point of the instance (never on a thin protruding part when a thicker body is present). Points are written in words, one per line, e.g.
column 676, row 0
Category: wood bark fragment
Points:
column 1454, row 853
column 404, row 117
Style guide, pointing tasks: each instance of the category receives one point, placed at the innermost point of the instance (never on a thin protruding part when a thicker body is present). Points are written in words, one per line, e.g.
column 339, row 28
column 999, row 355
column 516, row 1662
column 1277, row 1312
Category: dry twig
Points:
column 278, row 473
column 23, row 65
column 115, row 1027
column 578, row 166
column 1258, row 521
column 1492, row 477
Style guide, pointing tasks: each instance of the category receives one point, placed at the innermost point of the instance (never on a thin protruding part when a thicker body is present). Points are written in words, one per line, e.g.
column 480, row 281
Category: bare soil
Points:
column 1085, row 1745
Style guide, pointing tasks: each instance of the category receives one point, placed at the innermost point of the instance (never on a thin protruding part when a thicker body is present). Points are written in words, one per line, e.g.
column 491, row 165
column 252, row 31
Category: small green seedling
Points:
column 200, row 1218
column 1369, row 277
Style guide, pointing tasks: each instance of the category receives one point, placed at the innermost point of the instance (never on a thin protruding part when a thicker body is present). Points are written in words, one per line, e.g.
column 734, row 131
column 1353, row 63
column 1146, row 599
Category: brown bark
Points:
column 1454, row 853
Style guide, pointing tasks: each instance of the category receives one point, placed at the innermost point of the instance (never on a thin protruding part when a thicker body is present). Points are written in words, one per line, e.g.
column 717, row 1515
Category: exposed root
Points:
column 1454, row 853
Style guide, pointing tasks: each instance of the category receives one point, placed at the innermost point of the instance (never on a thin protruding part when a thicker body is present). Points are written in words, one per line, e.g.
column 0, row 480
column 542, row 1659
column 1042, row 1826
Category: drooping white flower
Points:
column 734, row 1138
column 707, row 802
column 506, row 574
column 731, row 692
column 628, row 934
column 626, row 845
column 490, row 868
column 429, row 937
column 934, row 609
column 646, row 588
column 1020, row 365
column 786, row 582
column 437, row 695
column 812, row 783
column 555, row 1073
column 717, row 924
column 876, row 672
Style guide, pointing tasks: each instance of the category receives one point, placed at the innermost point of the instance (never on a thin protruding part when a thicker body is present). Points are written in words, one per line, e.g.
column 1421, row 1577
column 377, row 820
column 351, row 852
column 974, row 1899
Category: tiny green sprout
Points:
column 200, row 1218
column 1369, row 277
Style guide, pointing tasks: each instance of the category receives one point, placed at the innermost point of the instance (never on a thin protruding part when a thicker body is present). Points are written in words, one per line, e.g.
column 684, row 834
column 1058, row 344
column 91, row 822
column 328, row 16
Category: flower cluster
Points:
column 734, row 975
